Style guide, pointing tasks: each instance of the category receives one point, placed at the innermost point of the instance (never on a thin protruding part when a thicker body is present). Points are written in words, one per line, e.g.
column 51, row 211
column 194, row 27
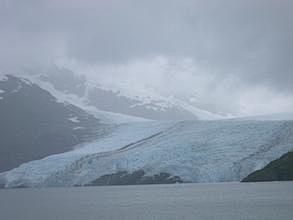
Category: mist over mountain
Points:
column 228, row 58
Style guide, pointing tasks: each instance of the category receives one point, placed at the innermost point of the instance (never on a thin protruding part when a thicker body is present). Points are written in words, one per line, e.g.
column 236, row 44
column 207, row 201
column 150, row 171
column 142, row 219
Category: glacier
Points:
column 196, row 151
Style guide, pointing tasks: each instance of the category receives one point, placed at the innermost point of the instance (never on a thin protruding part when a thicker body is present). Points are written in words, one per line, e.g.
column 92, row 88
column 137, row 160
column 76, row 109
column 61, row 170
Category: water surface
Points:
column 180, row 201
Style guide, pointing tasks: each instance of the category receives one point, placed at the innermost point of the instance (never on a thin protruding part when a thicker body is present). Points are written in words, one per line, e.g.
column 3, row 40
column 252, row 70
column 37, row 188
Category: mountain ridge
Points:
column 146, row 104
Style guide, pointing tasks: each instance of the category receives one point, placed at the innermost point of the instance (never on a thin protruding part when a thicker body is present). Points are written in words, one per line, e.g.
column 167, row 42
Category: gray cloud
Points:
column 249, row 40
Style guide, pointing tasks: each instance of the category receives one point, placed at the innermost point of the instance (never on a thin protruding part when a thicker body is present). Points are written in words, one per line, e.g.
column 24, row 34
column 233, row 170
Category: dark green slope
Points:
column 277, row 170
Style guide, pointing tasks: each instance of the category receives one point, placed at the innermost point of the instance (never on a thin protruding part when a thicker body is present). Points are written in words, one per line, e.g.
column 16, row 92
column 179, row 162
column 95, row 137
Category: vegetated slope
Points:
column 188, row 151
column 34, row 124
column 278, row 170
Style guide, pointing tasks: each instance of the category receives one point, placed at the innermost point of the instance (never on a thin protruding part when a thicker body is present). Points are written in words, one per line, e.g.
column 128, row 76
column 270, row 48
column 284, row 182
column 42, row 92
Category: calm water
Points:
column 182, row 201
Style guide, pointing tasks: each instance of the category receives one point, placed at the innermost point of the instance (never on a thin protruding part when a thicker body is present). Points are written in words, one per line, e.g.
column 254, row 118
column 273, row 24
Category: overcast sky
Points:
column 234, row 55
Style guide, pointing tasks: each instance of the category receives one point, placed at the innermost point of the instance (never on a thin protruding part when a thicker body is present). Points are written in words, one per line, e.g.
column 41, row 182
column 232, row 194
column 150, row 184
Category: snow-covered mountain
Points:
column 121, row 100
column 191, row 151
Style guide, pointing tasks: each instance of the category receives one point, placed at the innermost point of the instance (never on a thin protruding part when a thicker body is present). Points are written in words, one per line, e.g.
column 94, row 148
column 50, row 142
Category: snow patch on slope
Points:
column 74, row 119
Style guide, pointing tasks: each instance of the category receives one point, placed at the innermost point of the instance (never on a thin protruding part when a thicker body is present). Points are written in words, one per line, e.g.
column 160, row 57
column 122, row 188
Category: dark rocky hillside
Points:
column 135, row 178
column 33, row 124
column 277, row 170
